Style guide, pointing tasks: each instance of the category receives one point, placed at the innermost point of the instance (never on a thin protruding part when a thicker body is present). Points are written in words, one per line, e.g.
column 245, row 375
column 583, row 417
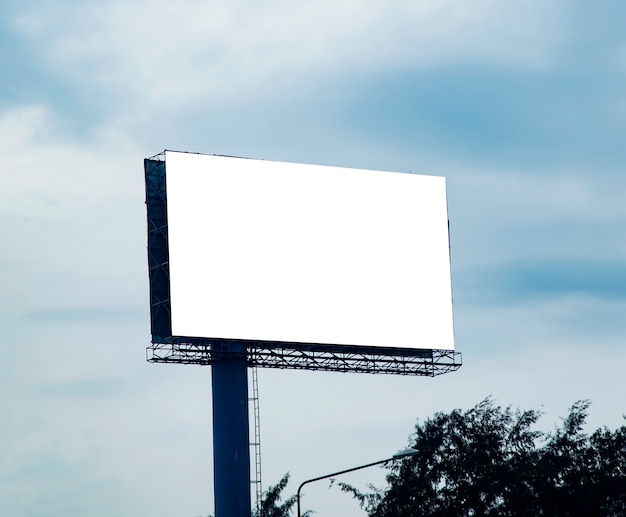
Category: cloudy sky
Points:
column 521, row 105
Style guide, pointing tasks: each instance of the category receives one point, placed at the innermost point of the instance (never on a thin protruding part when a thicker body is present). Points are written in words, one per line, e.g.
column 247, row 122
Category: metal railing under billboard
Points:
column 428, row 363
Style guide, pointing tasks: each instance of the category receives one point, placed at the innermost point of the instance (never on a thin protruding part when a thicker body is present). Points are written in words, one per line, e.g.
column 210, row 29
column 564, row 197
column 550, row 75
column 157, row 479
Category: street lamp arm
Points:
column 342, row 472
column 398, row 455
column 337, row 474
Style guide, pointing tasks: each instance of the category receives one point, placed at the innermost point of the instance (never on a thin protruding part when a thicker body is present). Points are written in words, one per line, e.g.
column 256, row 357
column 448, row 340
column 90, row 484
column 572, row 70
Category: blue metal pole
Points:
column 231, row 448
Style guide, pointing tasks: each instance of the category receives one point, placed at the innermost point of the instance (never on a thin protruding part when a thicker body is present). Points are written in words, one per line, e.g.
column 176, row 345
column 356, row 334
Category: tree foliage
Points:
column 489, row 461
column 271, row 504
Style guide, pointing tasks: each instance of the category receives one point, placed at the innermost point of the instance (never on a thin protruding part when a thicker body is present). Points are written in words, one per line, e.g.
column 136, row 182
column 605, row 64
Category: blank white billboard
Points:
column 275, row 251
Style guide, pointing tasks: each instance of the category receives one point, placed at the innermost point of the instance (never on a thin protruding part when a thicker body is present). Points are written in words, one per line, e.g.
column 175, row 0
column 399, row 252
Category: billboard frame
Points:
column 167, row 348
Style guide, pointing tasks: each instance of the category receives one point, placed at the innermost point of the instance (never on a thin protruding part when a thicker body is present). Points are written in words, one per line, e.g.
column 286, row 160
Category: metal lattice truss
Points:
column 303, row 357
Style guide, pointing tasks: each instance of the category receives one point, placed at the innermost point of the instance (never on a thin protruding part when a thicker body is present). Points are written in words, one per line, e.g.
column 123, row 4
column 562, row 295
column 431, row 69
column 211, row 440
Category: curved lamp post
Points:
column 398, row 455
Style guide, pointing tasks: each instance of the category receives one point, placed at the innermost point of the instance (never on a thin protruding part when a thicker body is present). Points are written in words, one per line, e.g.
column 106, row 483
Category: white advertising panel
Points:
column 275, row 251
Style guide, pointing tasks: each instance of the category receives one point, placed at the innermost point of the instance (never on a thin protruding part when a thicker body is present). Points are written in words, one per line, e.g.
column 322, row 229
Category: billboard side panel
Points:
column 158, row 254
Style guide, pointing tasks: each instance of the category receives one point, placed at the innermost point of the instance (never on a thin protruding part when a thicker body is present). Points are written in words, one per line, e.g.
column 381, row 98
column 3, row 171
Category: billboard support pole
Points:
column 231, row 448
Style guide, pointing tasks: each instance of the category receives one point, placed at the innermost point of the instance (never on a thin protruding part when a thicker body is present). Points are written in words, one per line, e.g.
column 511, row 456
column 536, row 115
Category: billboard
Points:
column 293, row 254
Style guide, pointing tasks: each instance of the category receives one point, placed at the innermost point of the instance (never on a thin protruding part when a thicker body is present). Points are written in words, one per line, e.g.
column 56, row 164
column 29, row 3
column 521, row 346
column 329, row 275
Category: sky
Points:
column 521, row 105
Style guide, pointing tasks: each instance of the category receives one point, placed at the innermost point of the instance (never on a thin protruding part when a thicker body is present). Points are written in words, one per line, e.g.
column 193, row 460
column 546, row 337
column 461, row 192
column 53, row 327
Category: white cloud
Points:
column 39, row 167
column 179, row 53
column 516, row 214
column 72, row 215
column 544, row 197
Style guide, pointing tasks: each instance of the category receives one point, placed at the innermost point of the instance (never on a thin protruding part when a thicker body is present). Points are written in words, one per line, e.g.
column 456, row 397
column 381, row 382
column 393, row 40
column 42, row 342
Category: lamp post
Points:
column 398, row 455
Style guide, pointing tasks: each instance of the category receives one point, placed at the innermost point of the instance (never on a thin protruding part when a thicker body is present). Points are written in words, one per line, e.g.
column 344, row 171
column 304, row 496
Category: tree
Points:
column 490, row 461
column 270, row 505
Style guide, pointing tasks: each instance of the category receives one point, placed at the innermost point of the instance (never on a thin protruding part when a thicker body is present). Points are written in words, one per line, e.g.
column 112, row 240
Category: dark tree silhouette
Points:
column 270, row 505
column 489, row 461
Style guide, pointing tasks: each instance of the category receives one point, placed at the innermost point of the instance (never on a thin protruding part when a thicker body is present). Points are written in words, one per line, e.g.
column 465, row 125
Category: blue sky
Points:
column 521, row 105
